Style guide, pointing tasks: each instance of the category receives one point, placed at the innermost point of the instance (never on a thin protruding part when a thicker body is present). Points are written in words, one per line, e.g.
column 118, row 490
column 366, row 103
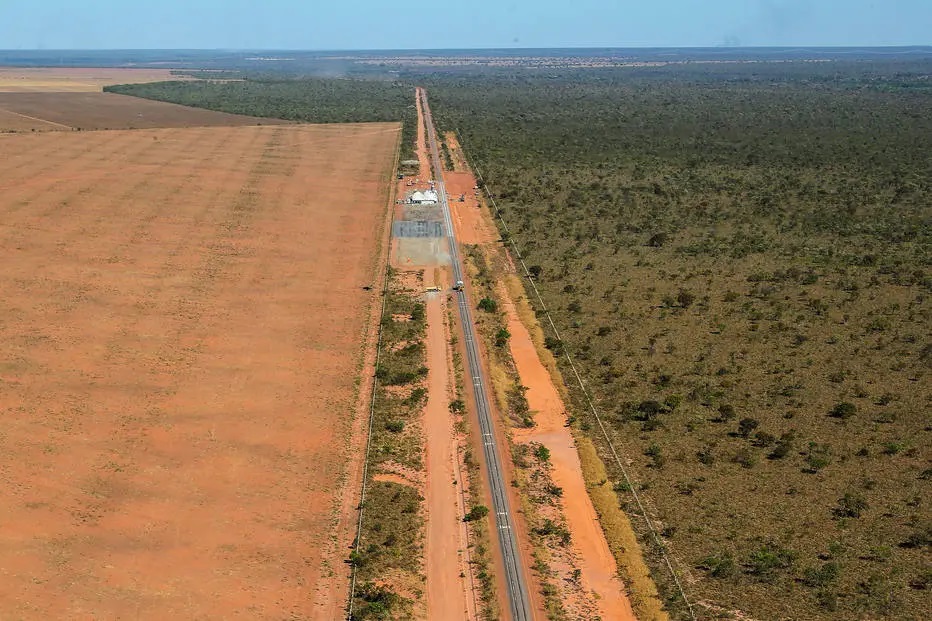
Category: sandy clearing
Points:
column 456, row 152
column 94, row 111
column 181, row 321
column 76, row 79
column 598, row 566
column 472, row 227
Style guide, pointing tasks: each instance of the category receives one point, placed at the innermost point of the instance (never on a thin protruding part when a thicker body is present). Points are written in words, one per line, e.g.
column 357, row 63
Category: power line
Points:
column 661, row 546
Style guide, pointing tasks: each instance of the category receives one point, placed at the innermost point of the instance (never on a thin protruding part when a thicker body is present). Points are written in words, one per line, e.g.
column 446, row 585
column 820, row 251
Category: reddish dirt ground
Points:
column 75, row 79
column 471, row 226
column 595, row 559
column 181, row 328
column 447, row 596
column 456, row 152
column 421, row 146
column 92, row 111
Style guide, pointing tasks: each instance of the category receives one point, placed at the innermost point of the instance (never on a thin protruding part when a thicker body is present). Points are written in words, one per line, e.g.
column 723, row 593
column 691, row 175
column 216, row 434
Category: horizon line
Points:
column 461, row 49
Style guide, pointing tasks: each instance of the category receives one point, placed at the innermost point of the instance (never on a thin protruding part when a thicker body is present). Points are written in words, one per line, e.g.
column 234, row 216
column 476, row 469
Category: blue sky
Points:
column 414, row 24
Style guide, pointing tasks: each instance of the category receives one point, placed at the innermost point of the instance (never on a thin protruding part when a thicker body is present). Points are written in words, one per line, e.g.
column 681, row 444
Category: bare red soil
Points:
column 91, row 111
column 447, row 595
column 181, row 321
column 471, row 226
column 594, row 557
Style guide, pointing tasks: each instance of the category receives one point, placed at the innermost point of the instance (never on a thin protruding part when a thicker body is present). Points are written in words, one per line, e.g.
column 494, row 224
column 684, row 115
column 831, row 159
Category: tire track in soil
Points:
column 447, row 593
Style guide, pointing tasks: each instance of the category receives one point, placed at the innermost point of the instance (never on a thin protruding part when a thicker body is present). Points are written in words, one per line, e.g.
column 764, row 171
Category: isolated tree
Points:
column 657, row 240
column 649, row 409
column 488, row 305
column 656, row 455
column 476, row 513
column 554, row 344
column 746, row 426
column 726, row 412
column 685, row 298
column 850, row 506
column 765, row 561
column 784, row 446
column 843, row 410
column 706, row 455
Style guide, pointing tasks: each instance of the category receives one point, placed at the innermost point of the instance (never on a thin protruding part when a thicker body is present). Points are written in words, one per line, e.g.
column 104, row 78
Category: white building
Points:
column 427, row 197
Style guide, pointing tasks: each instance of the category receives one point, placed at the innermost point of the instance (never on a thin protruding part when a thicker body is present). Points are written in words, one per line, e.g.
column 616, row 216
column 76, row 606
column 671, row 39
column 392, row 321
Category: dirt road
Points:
column 423, row 157
column 447, row 596
column 596, row 562
column 514, row 569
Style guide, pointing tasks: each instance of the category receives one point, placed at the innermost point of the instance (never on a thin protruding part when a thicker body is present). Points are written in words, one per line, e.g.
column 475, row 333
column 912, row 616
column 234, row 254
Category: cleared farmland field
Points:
column 75, row 79
column 43, row 111
column 181, row 332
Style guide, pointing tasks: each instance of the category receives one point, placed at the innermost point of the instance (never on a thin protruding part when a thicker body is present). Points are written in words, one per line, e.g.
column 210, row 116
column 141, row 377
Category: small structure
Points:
column 427, row 197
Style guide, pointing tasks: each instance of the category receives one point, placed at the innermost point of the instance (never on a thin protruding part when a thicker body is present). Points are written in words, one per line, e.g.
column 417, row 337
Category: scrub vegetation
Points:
column 389, row 567
column 738, row 260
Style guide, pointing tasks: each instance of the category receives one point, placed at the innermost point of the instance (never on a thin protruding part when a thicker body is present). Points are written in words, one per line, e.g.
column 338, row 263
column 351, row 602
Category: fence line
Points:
column 375, row 384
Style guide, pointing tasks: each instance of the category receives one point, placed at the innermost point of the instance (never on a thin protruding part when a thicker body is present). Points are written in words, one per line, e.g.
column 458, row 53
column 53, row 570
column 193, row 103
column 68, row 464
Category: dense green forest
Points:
column 293, row 99
column 738, row 258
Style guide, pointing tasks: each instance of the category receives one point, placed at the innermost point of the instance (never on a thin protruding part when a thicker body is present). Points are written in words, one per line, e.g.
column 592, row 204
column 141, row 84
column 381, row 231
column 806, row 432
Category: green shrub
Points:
column 766, row 561
column 657, row 240
column 726, row 412
column 656, row 455
column 746, row 426
column 720, row 565
column 818, row 456
column 685, row 298
column 784, row 446
column 554, row 344
column 850, row 506
column 476, row 513
column 488, row 305
column 843, row 410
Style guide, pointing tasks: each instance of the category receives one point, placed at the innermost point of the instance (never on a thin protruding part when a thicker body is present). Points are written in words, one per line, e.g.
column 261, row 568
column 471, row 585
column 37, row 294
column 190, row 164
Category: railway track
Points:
column 518, row 599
